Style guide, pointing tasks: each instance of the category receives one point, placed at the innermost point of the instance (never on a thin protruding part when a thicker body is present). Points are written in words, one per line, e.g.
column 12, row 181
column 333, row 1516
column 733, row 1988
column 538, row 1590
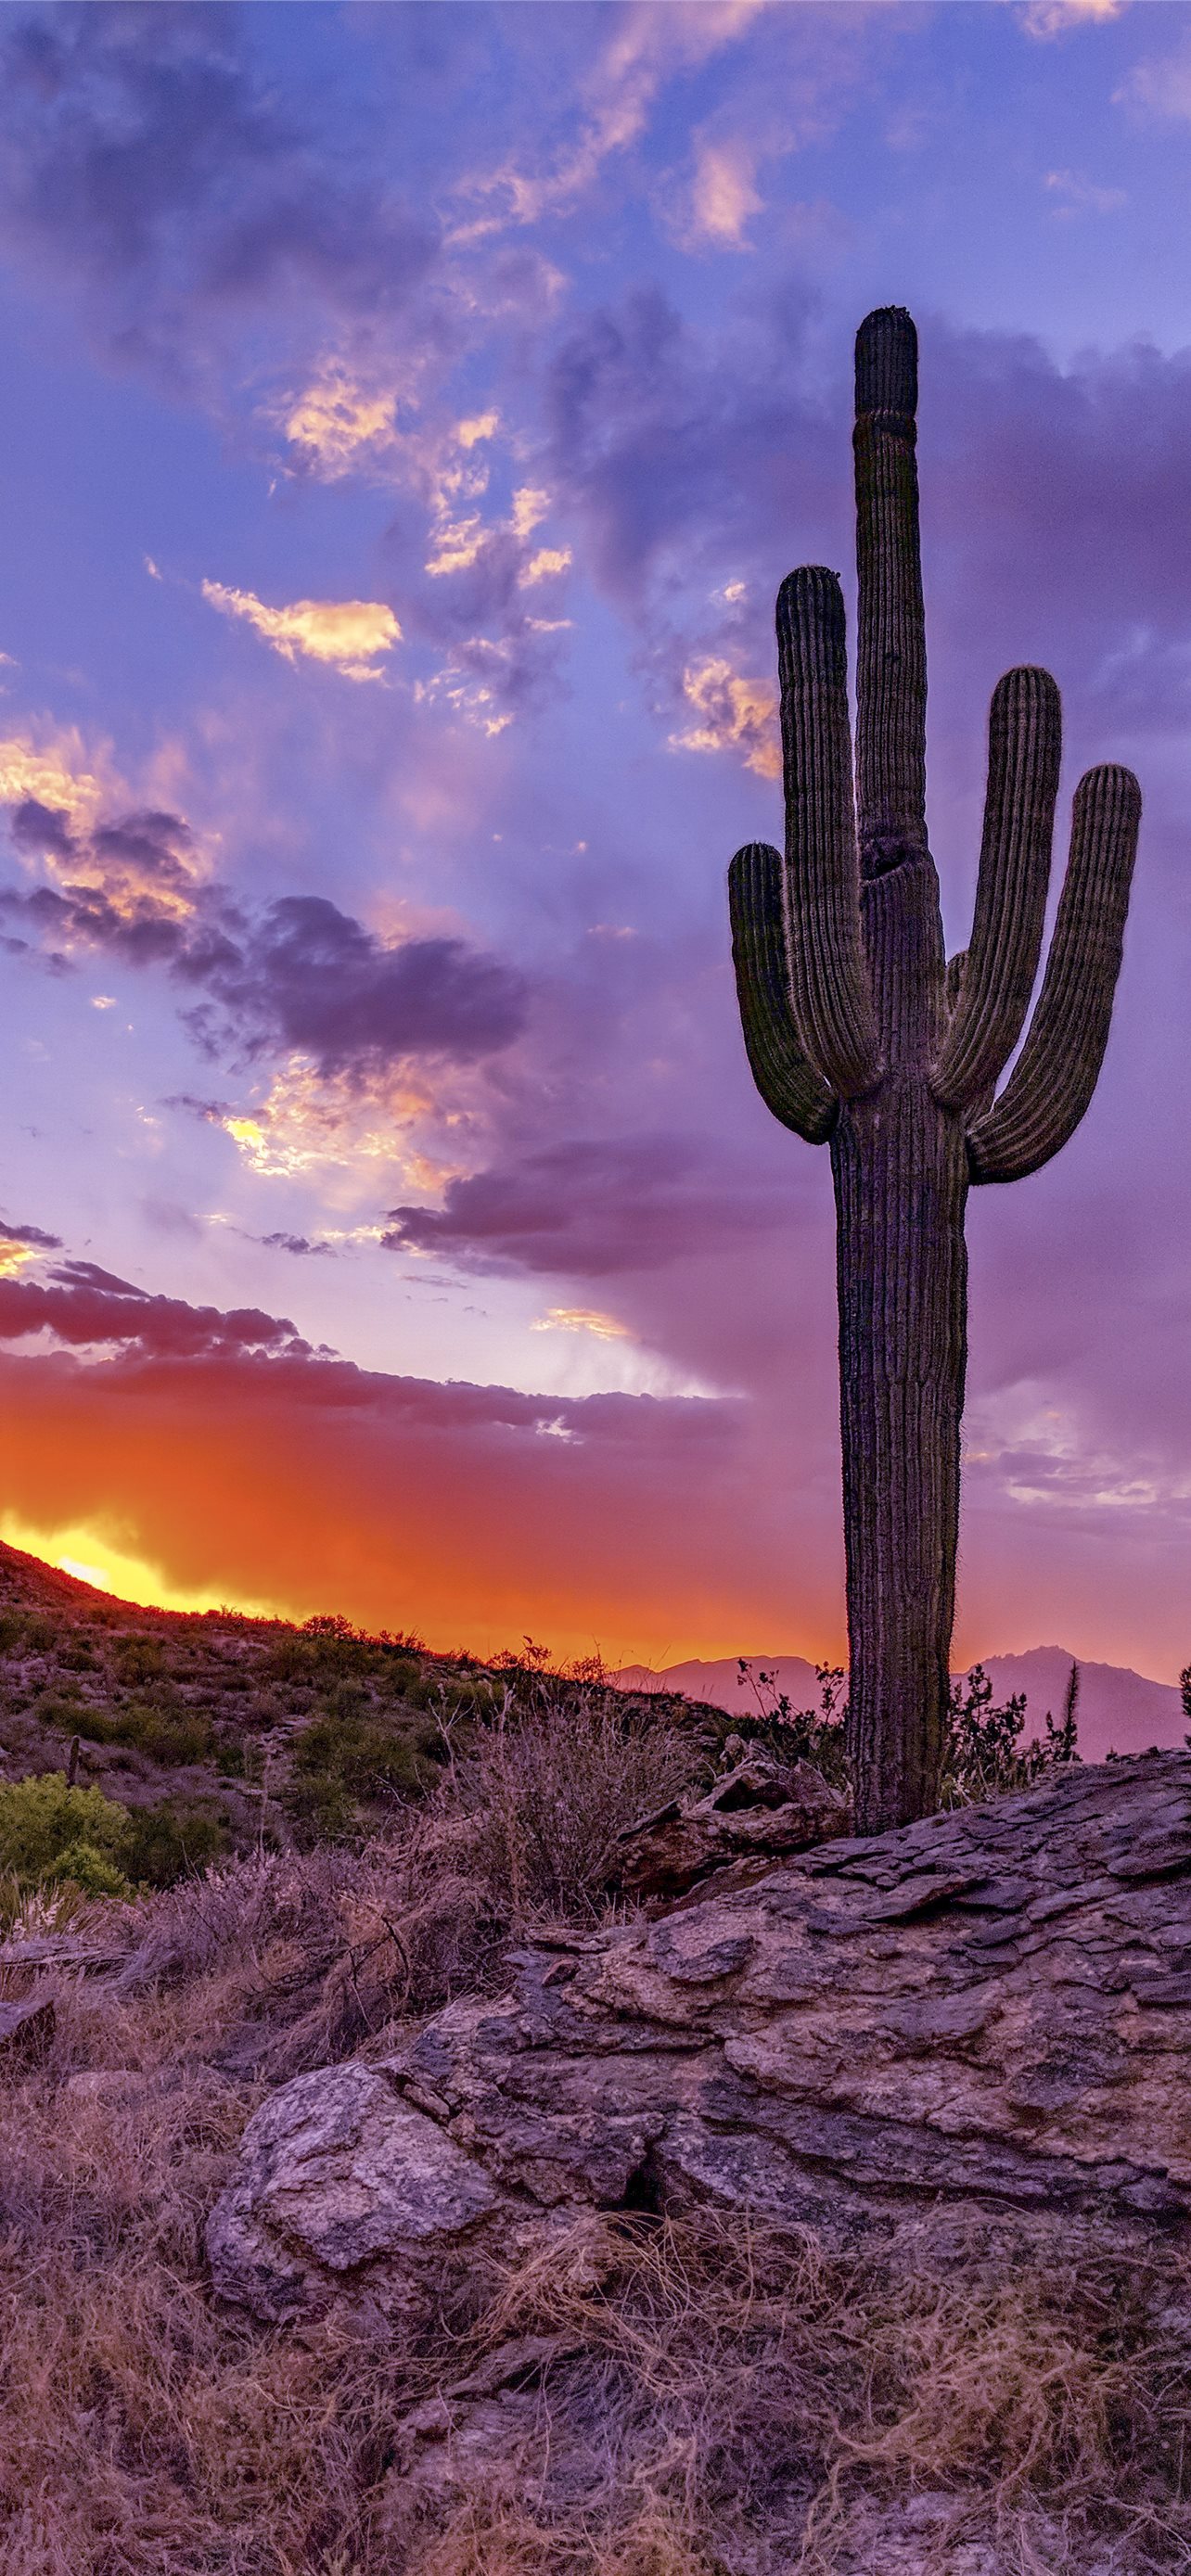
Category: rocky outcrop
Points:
column 757, row 1811
column 988, row 2012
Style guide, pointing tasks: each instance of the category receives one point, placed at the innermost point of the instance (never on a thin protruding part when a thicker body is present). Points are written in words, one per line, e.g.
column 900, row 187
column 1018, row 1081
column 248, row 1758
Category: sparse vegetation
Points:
column 986, row 1756
column 707, row 2390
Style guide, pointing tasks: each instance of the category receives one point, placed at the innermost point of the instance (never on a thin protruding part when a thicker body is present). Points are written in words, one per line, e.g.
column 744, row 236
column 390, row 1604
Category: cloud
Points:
column 456, row 1508
column 734, row 714
column 648, row 45
column 81, row 1304
column 299, row 1244
column 586, row 1209
column 1161, row 85
column 1081, row 196
column 723, row 196
column 148, row 163
column 582, row 1319
column 337, row 421
column 308, row 977
column 348, row 634
column 34, row 1236
column 52, row 775
column 301, row 978
column 1047, row 18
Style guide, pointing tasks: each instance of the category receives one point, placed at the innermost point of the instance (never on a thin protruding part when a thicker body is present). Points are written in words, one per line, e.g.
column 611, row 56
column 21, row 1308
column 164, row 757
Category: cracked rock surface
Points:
column 986, row 2012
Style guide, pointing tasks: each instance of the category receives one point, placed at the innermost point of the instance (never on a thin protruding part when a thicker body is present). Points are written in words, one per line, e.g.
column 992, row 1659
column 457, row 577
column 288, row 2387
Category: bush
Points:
column 985, row 1756
column 351, row 1754
column 176, row 1839
column 550, row 1785
column 49, row 1831
column 797, row 1734
column 139, row 1658
column 161, row 1734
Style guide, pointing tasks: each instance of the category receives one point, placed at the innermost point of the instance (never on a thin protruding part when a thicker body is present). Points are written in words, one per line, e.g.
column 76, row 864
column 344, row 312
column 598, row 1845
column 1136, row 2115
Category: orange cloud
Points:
column 735, row 714
column 456, row 1509
column 347, row 634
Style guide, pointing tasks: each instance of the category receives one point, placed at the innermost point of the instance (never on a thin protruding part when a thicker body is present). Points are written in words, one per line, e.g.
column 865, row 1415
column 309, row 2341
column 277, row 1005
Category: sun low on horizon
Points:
column 412, row 414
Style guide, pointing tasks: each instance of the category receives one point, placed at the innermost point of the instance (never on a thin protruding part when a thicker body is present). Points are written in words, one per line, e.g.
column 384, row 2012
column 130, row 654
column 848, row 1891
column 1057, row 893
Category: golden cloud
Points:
column 582, row 1319
column 734, row 714
column 318, row 1122
column 346, row 634
column 53, row 773
column 548, row 561
column 336, row 418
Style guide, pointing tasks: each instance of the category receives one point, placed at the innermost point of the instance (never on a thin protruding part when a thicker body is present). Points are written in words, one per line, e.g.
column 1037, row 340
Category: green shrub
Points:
column 49, row 1831
column 139, row 1658
column 161, row 1734
column 175, row 1839
column 12, row 1631
column 351, row 1755
column 83, row 1866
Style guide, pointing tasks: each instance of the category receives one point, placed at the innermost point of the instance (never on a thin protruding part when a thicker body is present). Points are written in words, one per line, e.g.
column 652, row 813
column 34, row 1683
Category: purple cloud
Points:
column 303, row 975
column 588, row 1209
column 146, row 157
column 307, row 976
column 87, row 1305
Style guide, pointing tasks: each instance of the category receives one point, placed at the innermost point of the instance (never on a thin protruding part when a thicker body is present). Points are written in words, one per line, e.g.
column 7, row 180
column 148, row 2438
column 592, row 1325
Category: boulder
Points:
column 983, row 2017
column 758, row 1810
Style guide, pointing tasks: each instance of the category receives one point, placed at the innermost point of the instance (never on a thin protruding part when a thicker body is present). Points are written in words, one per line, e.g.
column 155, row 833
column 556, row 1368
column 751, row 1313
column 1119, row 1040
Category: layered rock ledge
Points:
column 988, row 2012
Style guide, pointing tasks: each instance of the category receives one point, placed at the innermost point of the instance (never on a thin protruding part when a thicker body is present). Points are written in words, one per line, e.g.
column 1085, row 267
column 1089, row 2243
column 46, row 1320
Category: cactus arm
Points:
column 832, row 1001
column 788, row 1084
column 1024, row 744
column 1055, row 1076
column 891, row 645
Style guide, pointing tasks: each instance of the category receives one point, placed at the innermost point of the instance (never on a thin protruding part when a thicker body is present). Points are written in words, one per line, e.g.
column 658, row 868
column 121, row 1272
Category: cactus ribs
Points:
column 860, row 1034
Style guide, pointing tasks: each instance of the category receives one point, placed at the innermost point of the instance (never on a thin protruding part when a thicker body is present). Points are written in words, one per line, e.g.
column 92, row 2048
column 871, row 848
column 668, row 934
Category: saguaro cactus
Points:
column 860, row 1034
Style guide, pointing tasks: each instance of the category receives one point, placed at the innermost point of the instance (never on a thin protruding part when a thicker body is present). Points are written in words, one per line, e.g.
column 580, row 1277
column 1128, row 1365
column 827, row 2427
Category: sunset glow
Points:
column 410, row 416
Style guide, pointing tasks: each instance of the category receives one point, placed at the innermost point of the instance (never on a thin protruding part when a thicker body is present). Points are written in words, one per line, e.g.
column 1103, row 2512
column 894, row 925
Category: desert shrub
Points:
column 350, row 1756
column 986, row 1757
column 551, row 1782
column 327, row 1947
column 12, row 1631
column 768, row 1716
column 79, row 1658
column 178, row 1838
column 163, row 1734
column 50, row 1831
column 139, row 1658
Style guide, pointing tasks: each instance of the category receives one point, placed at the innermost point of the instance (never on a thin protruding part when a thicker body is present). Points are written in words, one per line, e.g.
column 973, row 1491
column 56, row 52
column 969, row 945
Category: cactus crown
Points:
column 831, row 1004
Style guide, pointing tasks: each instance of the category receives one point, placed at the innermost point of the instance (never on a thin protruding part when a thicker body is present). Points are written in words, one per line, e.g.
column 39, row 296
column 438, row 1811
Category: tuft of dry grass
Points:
column 686, row 2395
column 547, row 1789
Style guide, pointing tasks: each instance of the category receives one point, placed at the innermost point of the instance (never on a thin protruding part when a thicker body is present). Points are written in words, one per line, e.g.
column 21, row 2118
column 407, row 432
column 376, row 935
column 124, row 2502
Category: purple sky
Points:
column 411, row 411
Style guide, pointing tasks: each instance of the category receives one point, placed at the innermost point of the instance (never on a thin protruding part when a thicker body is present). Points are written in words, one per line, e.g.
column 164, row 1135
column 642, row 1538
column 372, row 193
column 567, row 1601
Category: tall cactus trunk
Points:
column 900, row 1169
column 900, row 1185
column 856, row 1032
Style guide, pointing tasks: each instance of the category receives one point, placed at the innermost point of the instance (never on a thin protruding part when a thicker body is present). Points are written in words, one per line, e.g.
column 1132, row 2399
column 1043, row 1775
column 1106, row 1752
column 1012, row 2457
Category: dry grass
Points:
column 700, row 2397
column 546, row 1792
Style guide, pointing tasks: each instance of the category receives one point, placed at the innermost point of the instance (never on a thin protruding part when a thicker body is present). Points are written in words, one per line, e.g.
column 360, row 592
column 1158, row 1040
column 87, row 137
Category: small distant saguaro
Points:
column 861, row 1035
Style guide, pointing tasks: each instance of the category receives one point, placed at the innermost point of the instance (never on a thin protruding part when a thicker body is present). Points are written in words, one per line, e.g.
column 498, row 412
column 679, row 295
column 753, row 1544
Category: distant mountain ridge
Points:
column 1119, row 1711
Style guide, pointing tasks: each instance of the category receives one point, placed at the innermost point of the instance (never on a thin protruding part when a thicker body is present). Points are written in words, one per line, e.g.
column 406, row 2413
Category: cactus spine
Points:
column 859, row 1033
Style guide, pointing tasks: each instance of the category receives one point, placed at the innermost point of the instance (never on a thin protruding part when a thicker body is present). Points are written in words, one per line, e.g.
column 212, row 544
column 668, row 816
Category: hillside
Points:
column 222, row 1733
column 1119, row 1711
